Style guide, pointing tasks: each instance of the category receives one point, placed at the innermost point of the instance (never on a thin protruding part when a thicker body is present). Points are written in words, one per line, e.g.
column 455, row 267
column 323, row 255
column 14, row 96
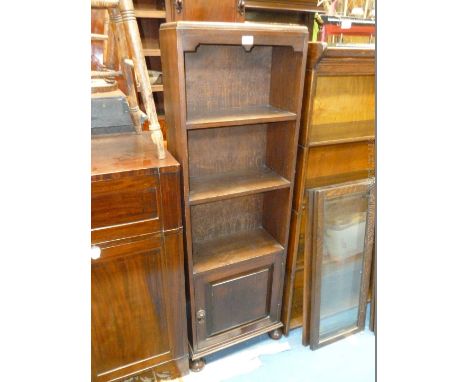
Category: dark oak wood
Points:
column 336, row 145
column 233, row 113
column 326, row 210
column 137, row 282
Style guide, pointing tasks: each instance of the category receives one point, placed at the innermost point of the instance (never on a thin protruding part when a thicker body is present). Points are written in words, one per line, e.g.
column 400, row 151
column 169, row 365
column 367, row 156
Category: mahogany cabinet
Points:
column 337, row 264
column 336, row 145
column 138, row 324
column 233, row 105
column 208, row 10
column 300, row 12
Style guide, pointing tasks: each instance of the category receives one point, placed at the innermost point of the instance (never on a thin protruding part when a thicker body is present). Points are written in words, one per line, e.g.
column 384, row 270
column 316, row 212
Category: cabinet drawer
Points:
column 124, row 207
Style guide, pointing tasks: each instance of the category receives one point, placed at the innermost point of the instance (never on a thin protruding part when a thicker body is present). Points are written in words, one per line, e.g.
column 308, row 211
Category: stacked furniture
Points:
column 336, row 146
column 151, row 14
column 283, row 11
column 233, row 105
column 123, row 57
column 346, row 30
column 137, row 272
column 209, row 10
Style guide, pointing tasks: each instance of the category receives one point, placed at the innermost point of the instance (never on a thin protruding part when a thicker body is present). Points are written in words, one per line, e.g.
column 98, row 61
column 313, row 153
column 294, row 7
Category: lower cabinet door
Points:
column 237, row 300
column 130, row 325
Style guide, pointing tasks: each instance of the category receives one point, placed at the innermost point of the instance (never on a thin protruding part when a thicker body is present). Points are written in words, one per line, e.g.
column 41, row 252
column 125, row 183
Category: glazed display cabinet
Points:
column 233, row 105
column 336, row 145
column 338, row 256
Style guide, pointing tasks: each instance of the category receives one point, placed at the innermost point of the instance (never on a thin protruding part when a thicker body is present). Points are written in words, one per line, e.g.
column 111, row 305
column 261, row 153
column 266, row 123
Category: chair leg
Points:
column 132, row 99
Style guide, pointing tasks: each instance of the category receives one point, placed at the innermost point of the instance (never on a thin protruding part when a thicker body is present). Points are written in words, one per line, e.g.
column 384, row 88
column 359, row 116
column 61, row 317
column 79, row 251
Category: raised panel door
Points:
column 129, row 329
column 237, row 299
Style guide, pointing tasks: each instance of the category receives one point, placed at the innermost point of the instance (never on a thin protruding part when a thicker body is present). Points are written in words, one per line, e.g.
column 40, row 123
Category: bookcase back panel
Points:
column 226, row 77
column 220, row 150
column 149, row 33
column 242, row 148
column 331, row 162
column 226, row 217
column 343, row 107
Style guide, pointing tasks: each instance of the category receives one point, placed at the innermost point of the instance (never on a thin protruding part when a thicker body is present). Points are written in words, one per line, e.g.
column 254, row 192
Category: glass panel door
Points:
column 338, row 254
column 344, row 232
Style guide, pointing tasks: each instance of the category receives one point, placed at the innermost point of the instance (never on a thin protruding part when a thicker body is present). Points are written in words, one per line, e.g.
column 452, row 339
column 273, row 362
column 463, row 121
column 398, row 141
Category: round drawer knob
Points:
column 95, row 252
column 201, row 314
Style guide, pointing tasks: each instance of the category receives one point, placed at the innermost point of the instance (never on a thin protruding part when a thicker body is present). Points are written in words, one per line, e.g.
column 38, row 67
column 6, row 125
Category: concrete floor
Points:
column 262, row 359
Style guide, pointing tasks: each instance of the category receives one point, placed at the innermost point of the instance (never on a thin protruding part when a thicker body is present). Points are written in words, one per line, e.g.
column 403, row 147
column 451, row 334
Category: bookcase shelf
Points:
column 238, row 116
column 151, row 52
column 149, row 12
column 234, row 128
column 342, row 132
column 227, row 185
column 233, row 249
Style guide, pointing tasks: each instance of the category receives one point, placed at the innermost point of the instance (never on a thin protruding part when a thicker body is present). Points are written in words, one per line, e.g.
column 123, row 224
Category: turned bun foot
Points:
column 276, row 334
column 197, row 364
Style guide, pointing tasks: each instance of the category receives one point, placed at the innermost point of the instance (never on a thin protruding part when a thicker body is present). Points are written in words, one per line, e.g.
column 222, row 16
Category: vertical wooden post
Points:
column 105, row 46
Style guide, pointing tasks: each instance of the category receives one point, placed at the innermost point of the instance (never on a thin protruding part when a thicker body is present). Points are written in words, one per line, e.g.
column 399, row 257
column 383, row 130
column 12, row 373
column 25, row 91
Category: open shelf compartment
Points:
column 233, row 248
column 153, row 9
column 238, row 229
column 239, row 160
column 149, row 34
column 343, row 110
column 227, row 85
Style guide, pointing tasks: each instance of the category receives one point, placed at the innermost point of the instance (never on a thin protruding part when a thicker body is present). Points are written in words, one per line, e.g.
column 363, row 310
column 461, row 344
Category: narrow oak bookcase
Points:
column 233, row 95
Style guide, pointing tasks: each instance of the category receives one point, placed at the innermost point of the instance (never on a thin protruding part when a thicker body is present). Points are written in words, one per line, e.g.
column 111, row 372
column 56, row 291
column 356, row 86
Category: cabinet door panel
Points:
column 128, row 307
column 340, row 245
column 228, row 297
column 237, row 299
